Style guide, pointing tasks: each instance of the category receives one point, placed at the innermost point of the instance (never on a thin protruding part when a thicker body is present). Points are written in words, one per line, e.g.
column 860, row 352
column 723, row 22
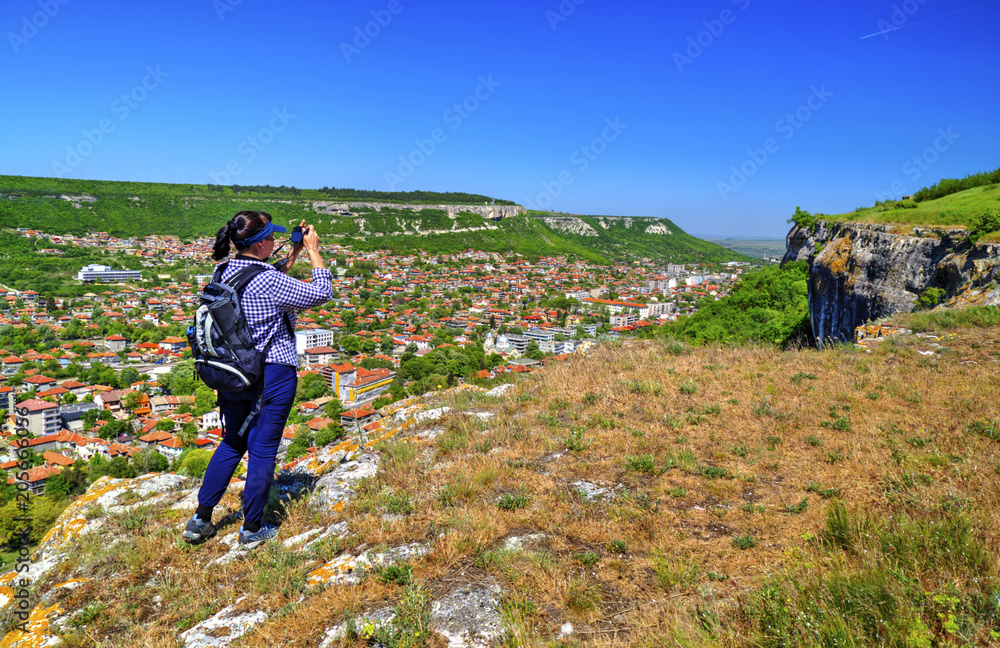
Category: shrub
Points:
column 195, row 463
column 744, row 542
column 400, row 573
column 587, row 558
column 511, row 501
column 645, row 464
column 930, row 298
column 674, row 573
column 988, row 221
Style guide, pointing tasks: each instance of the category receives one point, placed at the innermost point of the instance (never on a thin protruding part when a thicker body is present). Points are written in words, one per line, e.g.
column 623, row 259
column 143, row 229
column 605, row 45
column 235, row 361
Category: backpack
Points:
column 225, row 357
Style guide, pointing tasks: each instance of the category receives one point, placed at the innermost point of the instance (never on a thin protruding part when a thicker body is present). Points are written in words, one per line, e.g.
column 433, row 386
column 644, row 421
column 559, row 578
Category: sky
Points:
column 721, row 115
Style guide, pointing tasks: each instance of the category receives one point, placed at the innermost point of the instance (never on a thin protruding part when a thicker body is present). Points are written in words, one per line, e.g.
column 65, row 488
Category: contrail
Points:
column 886, row 31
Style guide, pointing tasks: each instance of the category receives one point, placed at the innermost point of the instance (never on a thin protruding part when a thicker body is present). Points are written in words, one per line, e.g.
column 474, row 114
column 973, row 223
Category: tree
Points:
column 44, row 512
column 194, row 463
column 127, row 377
column 89, row 418
column 180, row 380
column 301, row 441
column 333, row 409
column 311, row 387
column 188, row 434
column 130, row 401
column 112, row 429
column 329, row 434
column 70, row 482
column 205, row 400
column 149, row 460
column 165, row 425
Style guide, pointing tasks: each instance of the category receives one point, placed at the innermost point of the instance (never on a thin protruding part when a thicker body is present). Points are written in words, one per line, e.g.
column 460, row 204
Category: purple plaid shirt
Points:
column 272, row 295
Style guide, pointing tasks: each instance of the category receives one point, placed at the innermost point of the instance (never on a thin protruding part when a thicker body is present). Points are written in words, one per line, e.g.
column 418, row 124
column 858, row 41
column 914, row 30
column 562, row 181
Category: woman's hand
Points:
column 294, row 254
column 310, row 239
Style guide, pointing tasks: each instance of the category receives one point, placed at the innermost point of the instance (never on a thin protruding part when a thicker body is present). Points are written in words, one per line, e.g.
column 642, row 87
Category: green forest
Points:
column 770, row 305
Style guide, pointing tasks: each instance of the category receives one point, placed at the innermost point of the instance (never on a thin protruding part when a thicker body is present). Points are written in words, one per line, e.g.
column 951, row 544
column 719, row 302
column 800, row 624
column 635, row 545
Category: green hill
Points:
column 953, row 202
column 450, row 222
column 634, row 238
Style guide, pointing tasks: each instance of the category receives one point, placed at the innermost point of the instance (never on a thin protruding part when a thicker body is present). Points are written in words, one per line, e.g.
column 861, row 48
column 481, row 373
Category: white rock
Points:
column 469, row 616
column 516, row 543
column 222, row 629
column 500, row 390
column 431, row 415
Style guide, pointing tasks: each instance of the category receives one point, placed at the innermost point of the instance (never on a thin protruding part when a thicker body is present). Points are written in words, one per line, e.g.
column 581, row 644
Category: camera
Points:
column 296, row 234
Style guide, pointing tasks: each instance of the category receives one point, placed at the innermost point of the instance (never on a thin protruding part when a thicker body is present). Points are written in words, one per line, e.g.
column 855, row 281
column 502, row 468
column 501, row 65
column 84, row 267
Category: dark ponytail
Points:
column 241, row 227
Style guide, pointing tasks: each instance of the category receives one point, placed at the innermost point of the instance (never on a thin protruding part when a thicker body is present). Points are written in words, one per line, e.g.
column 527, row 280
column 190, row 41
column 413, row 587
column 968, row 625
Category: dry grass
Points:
column 698, row 448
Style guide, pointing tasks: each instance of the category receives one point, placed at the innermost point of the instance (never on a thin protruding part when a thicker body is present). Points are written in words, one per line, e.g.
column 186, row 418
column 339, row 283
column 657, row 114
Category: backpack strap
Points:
column 240, row 280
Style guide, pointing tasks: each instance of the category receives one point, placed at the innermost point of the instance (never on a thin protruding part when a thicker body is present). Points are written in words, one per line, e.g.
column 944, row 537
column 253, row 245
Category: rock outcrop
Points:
column 861, row 272
column 464, row 614
column 490, row 212
column 569, row 225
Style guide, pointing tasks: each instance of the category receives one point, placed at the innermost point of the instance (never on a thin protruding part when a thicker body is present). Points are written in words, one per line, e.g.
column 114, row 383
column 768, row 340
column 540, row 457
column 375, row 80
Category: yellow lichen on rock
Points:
column 37, row 625
column 333, row 569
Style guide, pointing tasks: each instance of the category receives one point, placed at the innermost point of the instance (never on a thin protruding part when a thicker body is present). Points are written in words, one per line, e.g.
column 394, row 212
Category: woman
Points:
column 269, row 302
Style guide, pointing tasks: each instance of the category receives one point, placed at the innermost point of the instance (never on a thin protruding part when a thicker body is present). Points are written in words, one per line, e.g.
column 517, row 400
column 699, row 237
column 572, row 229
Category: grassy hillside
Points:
column 128, row 209
column 715, row 497
column 956, row 209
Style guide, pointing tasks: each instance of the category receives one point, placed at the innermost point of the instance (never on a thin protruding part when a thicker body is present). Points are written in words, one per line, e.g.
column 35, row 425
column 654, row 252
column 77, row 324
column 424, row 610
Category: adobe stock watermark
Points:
column 364, row 35
column 562, row 13
column 901, row 14
column 454, row 117
column 31, row 26
column 915, row 167
column 222, row 7
column 581, row 160
column 714, row 27
column 21, row 537
column 253, row 145
column 123, row 107
column 787, row 127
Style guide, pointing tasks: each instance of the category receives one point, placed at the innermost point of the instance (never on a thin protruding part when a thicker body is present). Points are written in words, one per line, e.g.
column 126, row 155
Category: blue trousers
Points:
column 261, row 440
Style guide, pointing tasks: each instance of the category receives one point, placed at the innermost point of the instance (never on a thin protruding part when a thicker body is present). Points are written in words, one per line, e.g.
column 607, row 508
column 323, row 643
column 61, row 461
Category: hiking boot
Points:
column 197, row 531
column 250, row 540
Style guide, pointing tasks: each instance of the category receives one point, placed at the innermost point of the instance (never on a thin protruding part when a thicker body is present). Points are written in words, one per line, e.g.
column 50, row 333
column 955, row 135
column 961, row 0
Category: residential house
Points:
column 38, row 417
column 356, row 418
column 173, row 344
column 37, row 478
column 115, row 343
column 320, row 355
column 210, row 420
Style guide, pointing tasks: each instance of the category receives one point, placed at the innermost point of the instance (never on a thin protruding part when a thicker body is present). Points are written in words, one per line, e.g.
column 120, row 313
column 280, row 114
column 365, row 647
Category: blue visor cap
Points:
column 263, row 234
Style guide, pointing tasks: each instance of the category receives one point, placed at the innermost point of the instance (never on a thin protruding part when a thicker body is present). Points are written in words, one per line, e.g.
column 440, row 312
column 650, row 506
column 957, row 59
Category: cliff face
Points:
column 861, row 272
column 493, row 212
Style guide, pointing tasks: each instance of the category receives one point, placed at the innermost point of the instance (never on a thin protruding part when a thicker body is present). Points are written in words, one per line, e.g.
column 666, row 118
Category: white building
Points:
column 312, row 338
column 106, row 274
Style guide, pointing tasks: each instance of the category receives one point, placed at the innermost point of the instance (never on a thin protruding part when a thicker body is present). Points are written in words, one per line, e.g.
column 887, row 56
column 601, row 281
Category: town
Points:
column 102, row 378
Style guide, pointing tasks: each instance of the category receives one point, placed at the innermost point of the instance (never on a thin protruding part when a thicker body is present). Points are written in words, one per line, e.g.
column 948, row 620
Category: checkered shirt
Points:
column 272, row 295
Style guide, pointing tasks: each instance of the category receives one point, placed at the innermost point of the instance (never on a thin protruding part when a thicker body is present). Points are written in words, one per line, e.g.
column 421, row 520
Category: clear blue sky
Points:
column 289, row 93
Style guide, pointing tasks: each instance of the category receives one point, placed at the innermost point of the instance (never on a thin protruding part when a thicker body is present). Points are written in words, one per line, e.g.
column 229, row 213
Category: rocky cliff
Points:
column 861, row 272
column 493, row 212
